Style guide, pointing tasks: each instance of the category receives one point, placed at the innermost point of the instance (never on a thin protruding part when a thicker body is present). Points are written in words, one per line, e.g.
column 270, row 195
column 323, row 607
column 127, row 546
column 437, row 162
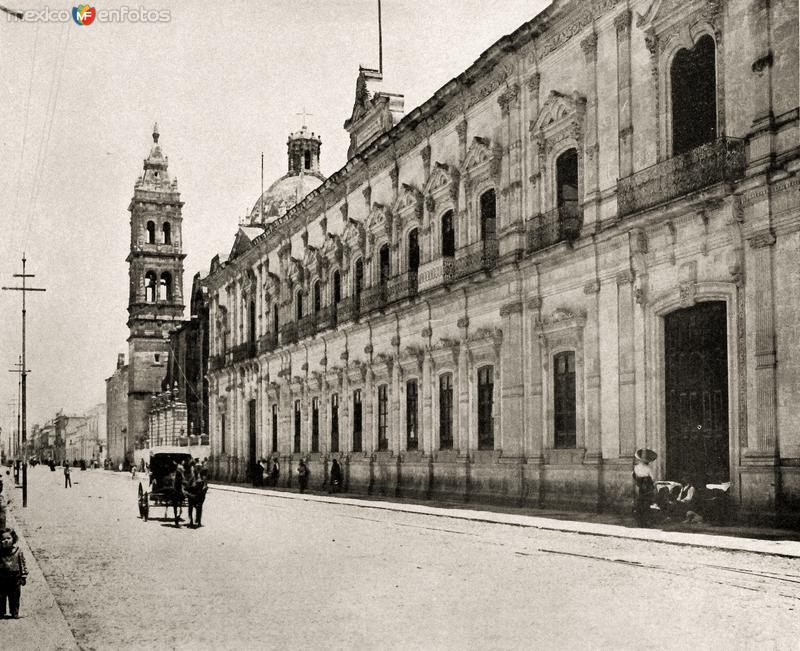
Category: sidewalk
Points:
column 41, row 624
column 758, row 540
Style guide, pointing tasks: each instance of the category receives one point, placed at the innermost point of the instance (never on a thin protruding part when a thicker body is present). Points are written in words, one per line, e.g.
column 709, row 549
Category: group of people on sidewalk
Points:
column 268, row 472
column 665, row 503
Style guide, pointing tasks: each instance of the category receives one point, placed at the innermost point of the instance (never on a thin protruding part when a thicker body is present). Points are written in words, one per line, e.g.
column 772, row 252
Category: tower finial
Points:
column 155, row 132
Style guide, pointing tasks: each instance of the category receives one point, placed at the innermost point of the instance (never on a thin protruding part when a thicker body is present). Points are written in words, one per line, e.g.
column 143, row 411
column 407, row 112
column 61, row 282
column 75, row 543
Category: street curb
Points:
column 30, row 634
column 781, row 548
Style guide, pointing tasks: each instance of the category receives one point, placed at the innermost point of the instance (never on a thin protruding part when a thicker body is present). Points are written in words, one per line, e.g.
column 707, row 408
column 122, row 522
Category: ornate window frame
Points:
column 668, row 28
column 563, row 331
column 480, row 172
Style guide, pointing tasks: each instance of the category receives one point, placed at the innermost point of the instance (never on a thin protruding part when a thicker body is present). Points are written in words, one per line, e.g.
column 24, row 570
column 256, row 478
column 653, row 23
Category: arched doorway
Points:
column 696, row 393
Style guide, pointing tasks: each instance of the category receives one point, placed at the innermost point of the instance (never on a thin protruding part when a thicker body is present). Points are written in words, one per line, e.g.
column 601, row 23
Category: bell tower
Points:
column 155, row 270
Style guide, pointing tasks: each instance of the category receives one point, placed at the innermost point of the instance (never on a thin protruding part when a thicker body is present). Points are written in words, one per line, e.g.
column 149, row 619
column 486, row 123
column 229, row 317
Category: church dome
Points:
column 302, row 178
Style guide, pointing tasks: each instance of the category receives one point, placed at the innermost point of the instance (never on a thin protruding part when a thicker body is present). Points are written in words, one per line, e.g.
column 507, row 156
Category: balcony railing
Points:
column 216, row 362
column 721, row 160
column 435, row 273
column 349, row 309
column 401, row 286
column 480, row 256
column 267, row 343
column 289, row 333
column 306, row 326
column 242, row 352
column 558, row 225
column 373, row 298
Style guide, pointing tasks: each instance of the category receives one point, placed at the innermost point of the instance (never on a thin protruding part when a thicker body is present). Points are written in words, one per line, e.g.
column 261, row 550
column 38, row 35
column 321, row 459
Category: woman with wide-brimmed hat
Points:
column 645, row 485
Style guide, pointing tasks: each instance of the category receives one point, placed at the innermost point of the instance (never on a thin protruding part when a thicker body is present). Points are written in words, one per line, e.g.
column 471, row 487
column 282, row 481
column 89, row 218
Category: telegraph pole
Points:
column 16, row 446
column 24, row 289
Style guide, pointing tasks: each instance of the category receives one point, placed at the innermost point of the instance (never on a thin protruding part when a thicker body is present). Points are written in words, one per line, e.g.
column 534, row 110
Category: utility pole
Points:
column 23, row 389
column 16, row 445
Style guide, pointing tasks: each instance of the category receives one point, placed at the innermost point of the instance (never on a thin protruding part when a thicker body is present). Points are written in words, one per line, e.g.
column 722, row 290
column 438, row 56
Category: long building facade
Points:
column 583, row 245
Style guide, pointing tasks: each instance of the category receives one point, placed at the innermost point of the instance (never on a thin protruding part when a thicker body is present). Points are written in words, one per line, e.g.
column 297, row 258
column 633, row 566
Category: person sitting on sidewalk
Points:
column 686, row 500
column 13, row 572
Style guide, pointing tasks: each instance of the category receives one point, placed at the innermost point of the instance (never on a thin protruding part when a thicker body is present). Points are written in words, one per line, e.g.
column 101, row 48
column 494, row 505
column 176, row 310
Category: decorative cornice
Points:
column 508, row 309
column 589, row 46
column 762, row 239
column 591, row 287
column 535, row 303
column 622, row 23
column 625, row 277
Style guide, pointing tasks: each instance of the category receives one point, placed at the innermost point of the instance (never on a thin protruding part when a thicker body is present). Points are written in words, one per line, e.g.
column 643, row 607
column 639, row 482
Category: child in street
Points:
column 13, row 573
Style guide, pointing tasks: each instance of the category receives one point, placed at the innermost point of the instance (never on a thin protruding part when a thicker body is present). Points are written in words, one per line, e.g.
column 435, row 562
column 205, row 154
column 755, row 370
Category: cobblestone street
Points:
column 270, row 572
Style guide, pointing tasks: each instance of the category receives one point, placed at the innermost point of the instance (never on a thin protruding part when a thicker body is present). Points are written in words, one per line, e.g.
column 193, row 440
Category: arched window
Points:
column 567, row 180
column 275, row 320
column 307, row 160
column 413, row 250
column 358, row 284
column 150, row 281
column 337, row 287
column 298, row 305
column 488, row 215
column 694, row 96
column 167, row 231
column 151, row 232
column 165, row 287
column 564, row 399
column 317, row 297
column 384, row 264
column 448, row 235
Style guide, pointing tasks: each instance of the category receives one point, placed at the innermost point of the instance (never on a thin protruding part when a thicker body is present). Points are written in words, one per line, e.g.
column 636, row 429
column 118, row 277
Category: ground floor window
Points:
column 222, row 433
column 446, row 411
column 564, row 399
column 315, row 424
column 334, row 423
column 297, row 421
column 274, row 427
column 486, row 408
column 383, row 413
column 412, row 436
column 357, row 420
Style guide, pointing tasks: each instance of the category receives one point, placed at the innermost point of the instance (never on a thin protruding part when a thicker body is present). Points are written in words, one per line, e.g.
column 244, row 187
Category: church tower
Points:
column 155, row 269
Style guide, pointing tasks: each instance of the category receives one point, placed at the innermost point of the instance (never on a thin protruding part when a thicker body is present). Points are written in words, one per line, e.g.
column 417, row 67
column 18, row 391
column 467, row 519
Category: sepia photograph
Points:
column 400, row 324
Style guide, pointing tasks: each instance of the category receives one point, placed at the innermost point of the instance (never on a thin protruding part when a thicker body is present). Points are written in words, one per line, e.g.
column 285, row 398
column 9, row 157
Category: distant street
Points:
column 270, row 572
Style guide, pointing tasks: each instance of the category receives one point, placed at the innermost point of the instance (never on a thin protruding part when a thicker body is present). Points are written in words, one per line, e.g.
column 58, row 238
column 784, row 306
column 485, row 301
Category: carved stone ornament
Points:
column 622, row 23
column 533, row 83
column 589, row 46
column 426, row 333
column 323, row 361
column 687, row 292
column 344, row 356
column 535, row 303
column 368, row 349
column 591, row 287
column 461, row 130
column 625, row 277
column 511, row 308
column 762, row 239
column 463, row 322
column 395, row 341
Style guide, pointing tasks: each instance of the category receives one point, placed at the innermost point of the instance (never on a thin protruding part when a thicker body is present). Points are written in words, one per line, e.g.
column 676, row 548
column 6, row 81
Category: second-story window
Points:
column 413, row 250
column 298, row 305
column 251, row 322
column 384, row 264
column 337, row 287
column 448, row 235
column 488, row 215
column 317, row 297
column 694, row 96
column 567, row 181
column 275, row 322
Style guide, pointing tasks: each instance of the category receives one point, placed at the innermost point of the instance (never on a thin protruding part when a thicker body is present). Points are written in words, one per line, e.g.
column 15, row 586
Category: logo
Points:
column 84, row 14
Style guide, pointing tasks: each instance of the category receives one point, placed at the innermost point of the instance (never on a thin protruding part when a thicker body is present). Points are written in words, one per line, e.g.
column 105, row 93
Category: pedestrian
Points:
column 302, row 475
column 13, row 572
column 196, row 496
column 177, row 494
column 336, row 477
column 275, row 473
column 67, row 476
column 645, row 486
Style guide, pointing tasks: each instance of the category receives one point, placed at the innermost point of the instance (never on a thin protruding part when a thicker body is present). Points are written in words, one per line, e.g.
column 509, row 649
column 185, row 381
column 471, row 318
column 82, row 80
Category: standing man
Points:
column 177, row 494
column 67, row 476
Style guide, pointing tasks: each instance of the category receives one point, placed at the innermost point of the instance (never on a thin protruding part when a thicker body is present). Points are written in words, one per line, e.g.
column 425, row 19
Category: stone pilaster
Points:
column 760, row 83
column 626, row 361
column 463, row 430
column 535, row 431
column 591, row 146
column 623, row 26
column 426, row 417
column 511, row 394
column 591, row 371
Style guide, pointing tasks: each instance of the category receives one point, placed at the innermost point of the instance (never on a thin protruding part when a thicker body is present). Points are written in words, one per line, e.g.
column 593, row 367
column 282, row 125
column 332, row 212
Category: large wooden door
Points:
column 251, row 440
column 695, row 346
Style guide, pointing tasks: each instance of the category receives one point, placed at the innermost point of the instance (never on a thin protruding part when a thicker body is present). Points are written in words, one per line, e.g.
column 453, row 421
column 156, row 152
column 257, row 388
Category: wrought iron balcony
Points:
column 435, row 273
column 401, row 286
column 242, row 352
column 373, row 298
column 348, row 309
column 268, row 342
column 562, row 224
column 306, row 326
column 289, row 333
column 216, row 362
column 721, row 160
column 327, row 317
column 479, row 256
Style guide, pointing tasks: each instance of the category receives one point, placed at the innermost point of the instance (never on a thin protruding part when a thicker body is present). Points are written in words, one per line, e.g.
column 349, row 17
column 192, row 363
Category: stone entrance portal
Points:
column 696, row 373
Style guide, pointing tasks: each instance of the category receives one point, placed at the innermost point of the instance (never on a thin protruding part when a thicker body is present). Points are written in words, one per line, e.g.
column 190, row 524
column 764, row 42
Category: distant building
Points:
column 117, row 414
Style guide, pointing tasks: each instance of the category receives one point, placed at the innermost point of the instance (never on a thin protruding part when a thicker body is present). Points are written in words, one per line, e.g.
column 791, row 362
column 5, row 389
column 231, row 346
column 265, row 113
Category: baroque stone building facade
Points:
column 583, row 245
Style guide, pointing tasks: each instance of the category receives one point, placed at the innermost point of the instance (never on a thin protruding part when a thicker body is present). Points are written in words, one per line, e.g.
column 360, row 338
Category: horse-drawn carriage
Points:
column 160, row 490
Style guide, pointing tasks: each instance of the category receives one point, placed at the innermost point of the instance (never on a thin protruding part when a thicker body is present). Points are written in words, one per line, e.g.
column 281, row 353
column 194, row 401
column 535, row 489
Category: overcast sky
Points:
column 225, row 82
